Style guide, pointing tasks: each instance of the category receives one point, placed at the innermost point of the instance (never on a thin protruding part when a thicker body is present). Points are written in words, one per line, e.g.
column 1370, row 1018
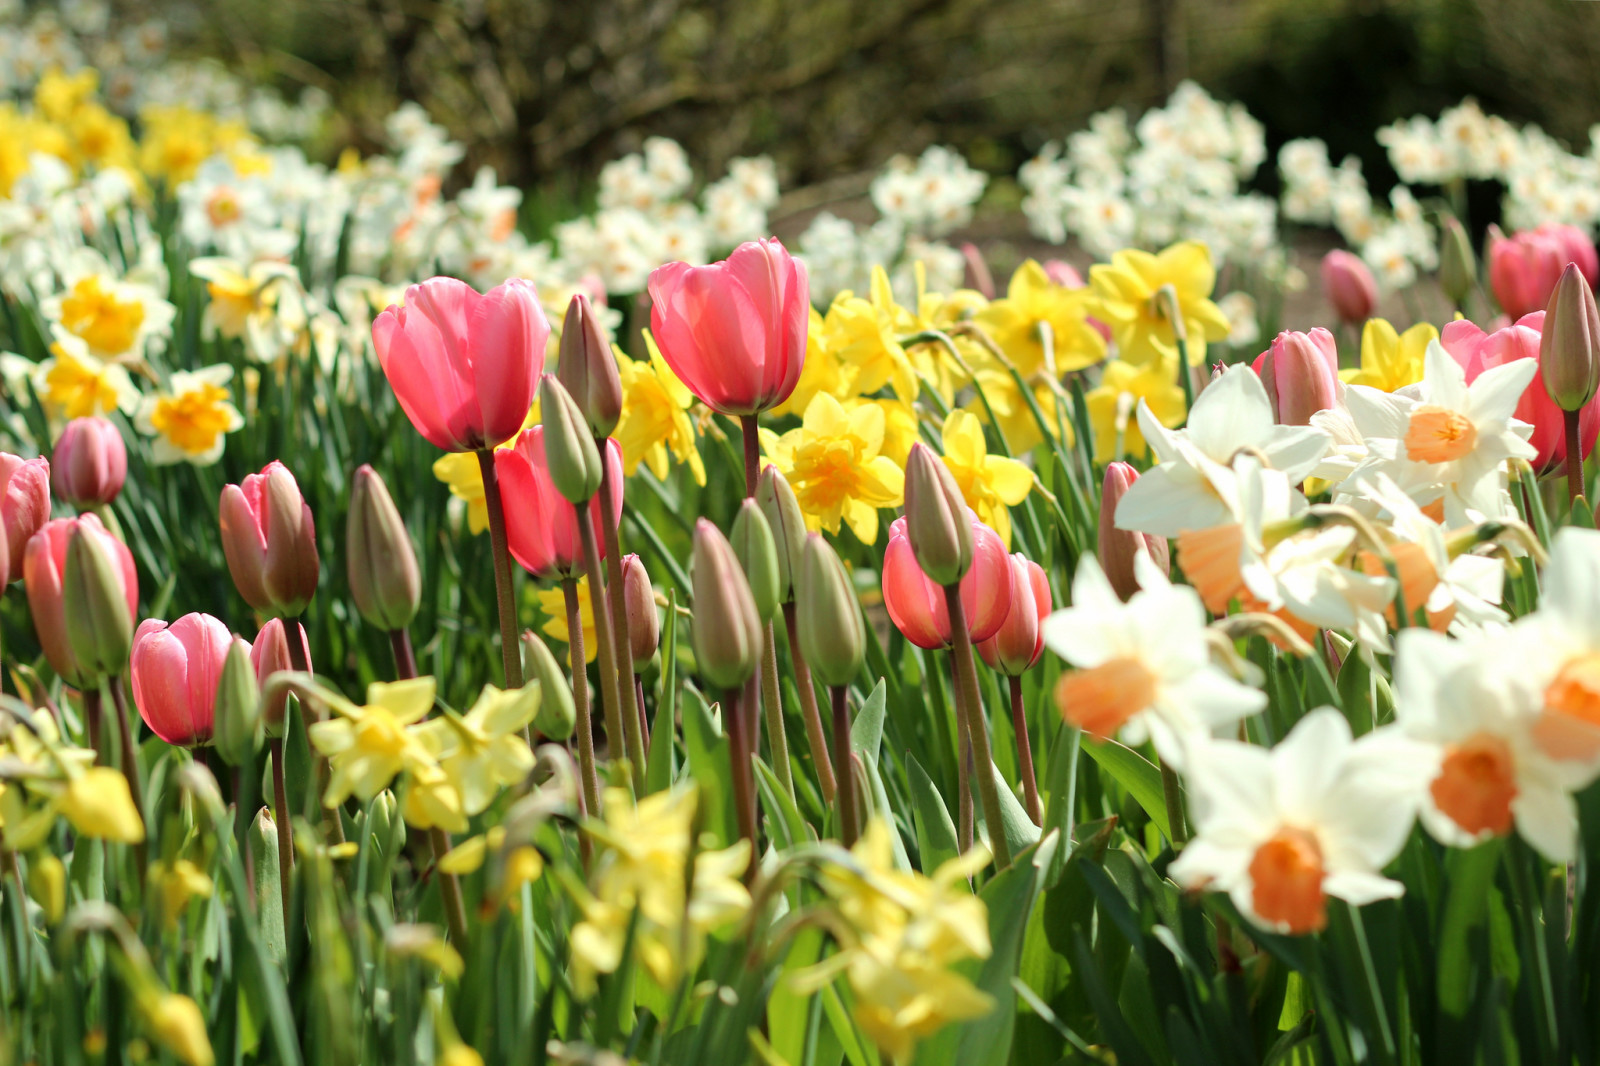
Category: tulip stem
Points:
column 295, row 635
column 405, row 660
column 580, row 698
column 815, row 737
column 752, row 454
column 130, row 762
column 1172, row 793
column 455, row 911
column 622, row 640
column 776, row 736
column 611, row 703
column 963, row 764
column 280, row 813
column 1019, row 725
column 848, row 816
column 744, row 800
column 644, row 724
column 1569, row 421
column 982, row 756
column 94, row 718
column 504, row 595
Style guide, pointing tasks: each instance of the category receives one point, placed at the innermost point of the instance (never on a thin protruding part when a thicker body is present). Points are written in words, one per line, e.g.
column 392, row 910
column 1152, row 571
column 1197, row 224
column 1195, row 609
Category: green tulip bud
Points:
column 788, row 525
column 833, row 637
column 95, row 598
column 387, row 828
column 556, row 716
column 727, row 630
column 758, row 557
column 639, row 599
column 384, row 577
column 588, row 369
column 569, row 448
column 936, row 518
column 1569, row 344
column 1458, row 266
column 238, row 729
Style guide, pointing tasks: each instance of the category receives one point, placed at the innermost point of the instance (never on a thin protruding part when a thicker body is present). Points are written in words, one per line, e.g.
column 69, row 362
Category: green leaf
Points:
column 1582, row 513
column 936, row 833
column 1470, row 877
column 788, row 1014
column 866, row 732
column 1019, row 829
column 660, row 765
column 784, row 823
column 1368, row 699
column 1136, row 774
column 711, row 768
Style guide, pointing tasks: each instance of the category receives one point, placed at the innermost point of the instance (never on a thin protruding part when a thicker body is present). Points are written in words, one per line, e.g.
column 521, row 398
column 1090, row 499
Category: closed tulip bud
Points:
column 782, row 511
column 269, row 892
column 1458, row 266
column 833, row 638
column 758, row 556
column 90, row 462
column 1301, row 375
column 569, row 448
column 384, row 577
column 385, row 825
column 936, row 522
column 1569, row 346
column 1119, row 546
column 238, row 707
column 44, row 568
column 24, row 505
column 270, row 541
column 1350, row 286
column 269, row 654
column 644, row 624
column 1019, row 641
column 95, row 603
column 588, row 369
column 556, row 716
column 177, row 670
column 727, row 630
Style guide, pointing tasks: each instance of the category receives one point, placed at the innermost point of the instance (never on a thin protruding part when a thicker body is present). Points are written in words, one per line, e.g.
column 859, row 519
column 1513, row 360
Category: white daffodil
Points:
column 1558, row 652
column 1319, row 815
column 262, row 303
column 1144, row 667
column 1189, row 487
column 1476, row 702
column 72, row 383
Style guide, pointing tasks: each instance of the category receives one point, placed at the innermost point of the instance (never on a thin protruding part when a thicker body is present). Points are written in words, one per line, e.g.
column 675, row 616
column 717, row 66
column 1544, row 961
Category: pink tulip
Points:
column 1478, row 351
column 24, row 505
column 270, row 655
column 1117, row 547
column 90, row 462
column 175, row 672
column 916, row 605
column 1524, row 268
column 1301, row 375
column 1063, row 273
column 270, row 541
column 43, row 567
column 735, row 331
column 1019, row 641
column 464, row 367
column 541, row 524
column 1350, row 286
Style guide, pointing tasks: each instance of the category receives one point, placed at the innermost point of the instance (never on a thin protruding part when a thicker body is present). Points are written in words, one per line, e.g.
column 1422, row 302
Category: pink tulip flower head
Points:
column 465, row 367
column 90, row 462
column 916, row 605
column 270, row 541
column 269, row 654
column 1019, row 641
column 24, row 505
column 1524, row 268
column 1301, row 375
column 1348, row 283
column 175, row 673
column 44, row 569
column 541, row 524
column 734, row 332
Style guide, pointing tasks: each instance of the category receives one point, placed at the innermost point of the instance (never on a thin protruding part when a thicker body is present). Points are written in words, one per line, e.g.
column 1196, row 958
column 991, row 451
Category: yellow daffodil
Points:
column 1017, row 423
column 1034, row 304
column 1135, row 292
column 1113, row 404
column 175, row 140
column 58, row 779
column 191, row 417
column 1390, row 360
column 640, row 868
column 177, row 883
column 899, row 426
column 823, row 372
column 113, row 318
column 261, row 303
column 483, row 751
column 864, row 335
column 933, row 360
column 991, row 484
column 99, row 804
column 655, row 419
column 554, row 606
column 176, row 1024
column 74, row 384
column 463, row 476
column 59, row 94
column 835, row 465
column 368, row 745
column 22, row 136
column 407, row 941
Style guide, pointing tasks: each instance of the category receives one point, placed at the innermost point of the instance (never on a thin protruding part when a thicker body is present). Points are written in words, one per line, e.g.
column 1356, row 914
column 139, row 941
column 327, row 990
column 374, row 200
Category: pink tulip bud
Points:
column 977, row 275
column 588, row 368
column 1569, row 345
column 24, row 505
column 935, row 523
column 1301, row 375
column 916, row 603
column 1119, row 546
column 1524, row 267
column 727, row 631
column 270, row 541
column 1349, row 285
column 644, row 624
column 464, row 367
column 175, row 672
column 90, row 462
column 270, row 655
column 1019, row 641
column 734, row 332
column 44, row 568
column 1063, row 273
column 541, row 524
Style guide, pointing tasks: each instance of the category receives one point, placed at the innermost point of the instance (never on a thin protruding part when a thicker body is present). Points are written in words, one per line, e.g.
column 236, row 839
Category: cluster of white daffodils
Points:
column 1177, row 173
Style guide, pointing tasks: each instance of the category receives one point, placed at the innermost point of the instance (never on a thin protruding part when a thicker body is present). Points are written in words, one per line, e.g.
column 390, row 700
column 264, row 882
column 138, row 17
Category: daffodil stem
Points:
column 774, row 707
column 964, row 816
column 1019, row 725
column 455, row 911
column 580, row 699
column 504, row 595
column 130, row 763
column 1173, row 794
column 849, row 819
column 982, row 755
column 752, row 453
column 737, row 726
column 1569, row 421
column 1185, row 376
column 611, row 703
column 632, row 735
column 280, row 813
column 332, row 822
column 405, row 660
column 815, row 737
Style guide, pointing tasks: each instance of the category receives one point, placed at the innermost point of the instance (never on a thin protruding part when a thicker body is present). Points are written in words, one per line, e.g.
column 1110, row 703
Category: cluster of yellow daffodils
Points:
column 45, row 778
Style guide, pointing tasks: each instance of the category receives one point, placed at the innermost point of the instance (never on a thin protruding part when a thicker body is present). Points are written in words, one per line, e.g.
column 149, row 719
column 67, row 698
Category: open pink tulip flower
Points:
column 44, row 565
column 734, row 332
column 542, row 524
column 1019, row 641
column 1301, row 375
column 269, row 654
column 24, row 505
column 1477, row 351
column 270, row 541
column 90, row 462
column 465, row 367
column 1348, row 283
column 174, row 676
column 1524, row 268
column 916, row 605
